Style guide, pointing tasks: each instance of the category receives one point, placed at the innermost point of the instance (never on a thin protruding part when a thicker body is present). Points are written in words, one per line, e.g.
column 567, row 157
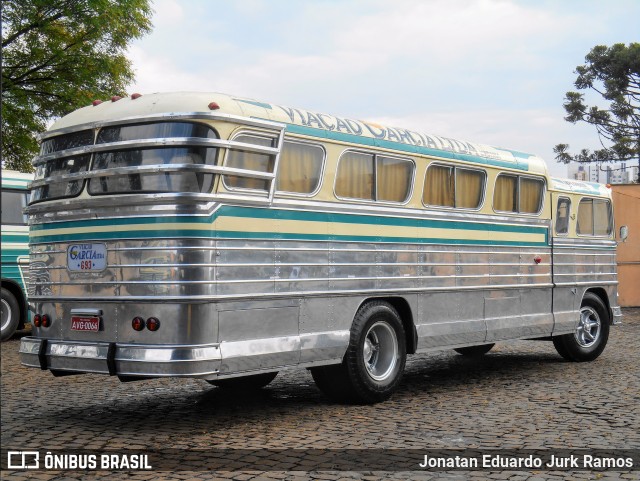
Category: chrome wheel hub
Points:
column 6, row 314
column 589, row 326
column 380, row 351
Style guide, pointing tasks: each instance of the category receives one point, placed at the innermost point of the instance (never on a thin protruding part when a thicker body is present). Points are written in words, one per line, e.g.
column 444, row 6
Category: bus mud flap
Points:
column 111, row 359
column 42, row 354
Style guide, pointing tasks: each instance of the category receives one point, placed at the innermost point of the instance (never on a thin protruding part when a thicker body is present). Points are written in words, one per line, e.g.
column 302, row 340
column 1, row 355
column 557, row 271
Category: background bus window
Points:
column 299, row 168
column 13, row 202
column 562, row 216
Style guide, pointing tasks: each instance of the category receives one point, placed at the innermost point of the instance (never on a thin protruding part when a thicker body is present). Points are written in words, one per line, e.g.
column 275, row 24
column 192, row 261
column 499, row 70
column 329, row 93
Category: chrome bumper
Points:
column 121, row 359
column 616, row 315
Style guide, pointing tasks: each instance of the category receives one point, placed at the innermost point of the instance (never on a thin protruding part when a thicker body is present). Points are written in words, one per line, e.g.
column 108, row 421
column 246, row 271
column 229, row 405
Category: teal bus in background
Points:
column 15, row 251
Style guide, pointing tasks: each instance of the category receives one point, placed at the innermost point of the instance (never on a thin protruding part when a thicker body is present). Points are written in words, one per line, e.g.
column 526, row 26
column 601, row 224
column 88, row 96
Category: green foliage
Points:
column 57, row 56
column 613, row 73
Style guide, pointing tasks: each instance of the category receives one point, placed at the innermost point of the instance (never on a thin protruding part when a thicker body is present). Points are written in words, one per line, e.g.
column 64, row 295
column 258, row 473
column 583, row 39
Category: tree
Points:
column 57, row 56
column 613, row 73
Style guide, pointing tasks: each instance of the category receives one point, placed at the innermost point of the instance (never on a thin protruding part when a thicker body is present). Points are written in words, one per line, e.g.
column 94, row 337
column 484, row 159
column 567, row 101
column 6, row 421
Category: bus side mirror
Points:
column 624, row 233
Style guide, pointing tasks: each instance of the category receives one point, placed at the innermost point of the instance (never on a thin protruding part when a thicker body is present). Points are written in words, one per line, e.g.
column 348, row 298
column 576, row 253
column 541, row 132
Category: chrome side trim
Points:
column 301, row 294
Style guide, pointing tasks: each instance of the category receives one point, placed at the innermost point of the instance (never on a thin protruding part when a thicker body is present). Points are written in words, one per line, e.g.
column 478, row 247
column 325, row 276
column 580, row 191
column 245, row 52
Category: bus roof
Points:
column 15, row 180
column 307, row 123
column 579, row 187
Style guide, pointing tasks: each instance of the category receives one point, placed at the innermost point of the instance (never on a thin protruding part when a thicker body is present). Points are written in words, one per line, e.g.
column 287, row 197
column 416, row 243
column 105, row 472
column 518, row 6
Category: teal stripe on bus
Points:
column 216, row 234
column 287, row 214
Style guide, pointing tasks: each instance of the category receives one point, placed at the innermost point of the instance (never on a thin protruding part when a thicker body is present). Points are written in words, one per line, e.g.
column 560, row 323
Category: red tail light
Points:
column 137, row 323
column 153, row 324
column 46, row 320
column 37, row 320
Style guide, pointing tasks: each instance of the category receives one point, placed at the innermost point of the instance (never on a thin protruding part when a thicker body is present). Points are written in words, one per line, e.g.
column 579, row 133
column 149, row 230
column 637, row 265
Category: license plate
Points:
column 81, row 323
column 87, row 257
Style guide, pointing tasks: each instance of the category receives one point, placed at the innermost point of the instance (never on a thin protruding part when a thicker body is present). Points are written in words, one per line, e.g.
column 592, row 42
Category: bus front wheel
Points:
column 10, row 314
column 591, row 334
column 374, row 363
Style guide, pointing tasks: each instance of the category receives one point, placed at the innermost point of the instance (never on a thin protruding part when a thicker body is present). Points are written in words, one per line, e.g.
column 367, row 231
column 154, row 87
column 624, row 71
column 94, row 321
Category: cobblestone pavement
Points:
column 520, row 395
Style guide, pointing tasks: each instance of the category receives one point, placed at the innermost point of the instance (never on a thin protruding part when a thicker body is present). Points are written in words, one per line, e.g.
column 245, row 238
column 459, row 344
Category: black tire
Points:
column 246, row 383
column 374, row 363
column 10, row 314
column 592, row 332
column 474, row 351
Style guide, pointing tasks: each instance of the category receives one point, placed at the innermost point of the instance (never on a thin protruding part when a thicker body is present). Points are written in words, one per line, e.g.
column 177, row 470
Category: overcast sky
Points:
column 486, row 71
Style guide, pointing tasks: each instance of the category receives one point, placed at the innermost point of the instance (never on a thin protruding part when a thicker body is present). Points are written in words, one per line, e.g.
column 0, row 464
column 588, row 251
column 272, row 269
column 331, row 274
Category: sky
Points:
column 487, row 71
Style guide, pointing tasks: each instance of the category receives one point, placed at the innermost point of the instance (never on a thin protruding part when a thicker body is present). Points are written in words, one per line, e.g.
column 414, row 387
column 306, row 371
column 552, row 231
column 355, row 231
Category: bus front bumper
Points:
column 123, row 360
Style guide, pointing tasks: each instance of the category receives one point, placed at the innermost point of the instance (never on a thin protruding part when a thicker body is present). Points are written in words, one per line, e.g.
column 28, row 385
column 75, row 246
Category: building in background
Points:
column 626, row 202
column 603, row 173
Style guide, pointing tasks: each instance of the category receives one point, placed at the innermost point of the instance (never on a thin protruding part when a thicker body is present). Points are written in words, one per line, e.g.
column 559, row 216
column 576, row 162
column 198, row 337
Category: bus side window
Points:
column 562, row 216
column 300, row 168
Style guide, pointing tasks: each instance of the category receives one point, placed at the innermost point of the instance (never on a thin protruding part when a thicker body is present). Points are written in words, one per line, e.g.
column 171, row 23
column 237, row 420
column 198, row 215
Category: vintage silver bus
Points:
column 223, row 238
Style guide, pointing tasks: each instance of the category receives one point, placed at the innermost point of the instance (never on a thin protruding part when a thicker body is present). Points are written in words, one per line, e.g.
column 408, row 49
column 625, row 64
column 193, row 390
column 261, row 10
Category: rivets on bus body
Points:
column 96, row 102
column 135, row 96
column 213, row 106
column 537, row 259
column 137, row 323
column 115, row 98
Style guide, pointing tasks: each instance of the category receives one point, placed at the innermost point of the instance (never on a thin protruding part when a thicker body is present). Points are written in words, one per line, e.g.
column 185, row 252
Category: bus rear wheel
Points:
column 245, row 383
column 374, row 363
column 10, row 314
column 591, row 334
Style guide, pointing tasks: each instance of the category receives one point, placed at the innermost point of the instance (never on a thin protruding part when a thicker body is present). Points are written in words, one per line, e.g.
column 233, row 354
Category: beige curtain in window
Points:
column 530, row 195
column 355, row 176
column 602, row 224
column 504, row 196
column 299, row 168
column 249, row 161
column 439, row 186
column 469, row 188
column 393, row 177
column 585, row 217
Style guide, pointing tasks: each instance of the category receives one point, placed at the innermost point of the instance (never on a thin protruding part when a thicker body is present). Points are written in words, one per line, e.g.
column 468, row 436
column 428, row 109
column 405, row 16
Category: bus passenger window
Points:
column 393, row 179
column 373, row 177
column 355, row 176
column 439, row 186
column 515, row 193
column 594, row 217
column 602, row 219
column 299, row 168
column 239, row 159
column 469, row 188
column 505, row 196
column 562, row 216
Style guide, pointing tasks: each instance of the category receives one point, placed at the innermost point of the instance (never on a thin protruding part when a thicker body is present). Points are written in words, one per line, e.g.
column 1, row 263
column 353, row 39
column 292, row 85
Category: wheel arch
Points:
column 18, row 293
column 604, row 297
column 401, row 305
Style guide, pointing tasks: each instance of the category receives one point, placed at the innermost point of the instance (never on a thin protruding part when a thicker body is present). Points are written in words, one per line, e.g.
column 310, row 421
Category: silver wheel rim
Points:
column 380, row 351
column 588, row 330
column 6, row 314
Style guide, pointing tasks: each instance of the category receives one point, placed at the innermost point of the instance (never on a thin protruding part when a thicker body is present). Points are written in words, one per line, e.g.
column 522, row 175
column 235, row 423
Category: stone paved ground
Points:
column 521, row 395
